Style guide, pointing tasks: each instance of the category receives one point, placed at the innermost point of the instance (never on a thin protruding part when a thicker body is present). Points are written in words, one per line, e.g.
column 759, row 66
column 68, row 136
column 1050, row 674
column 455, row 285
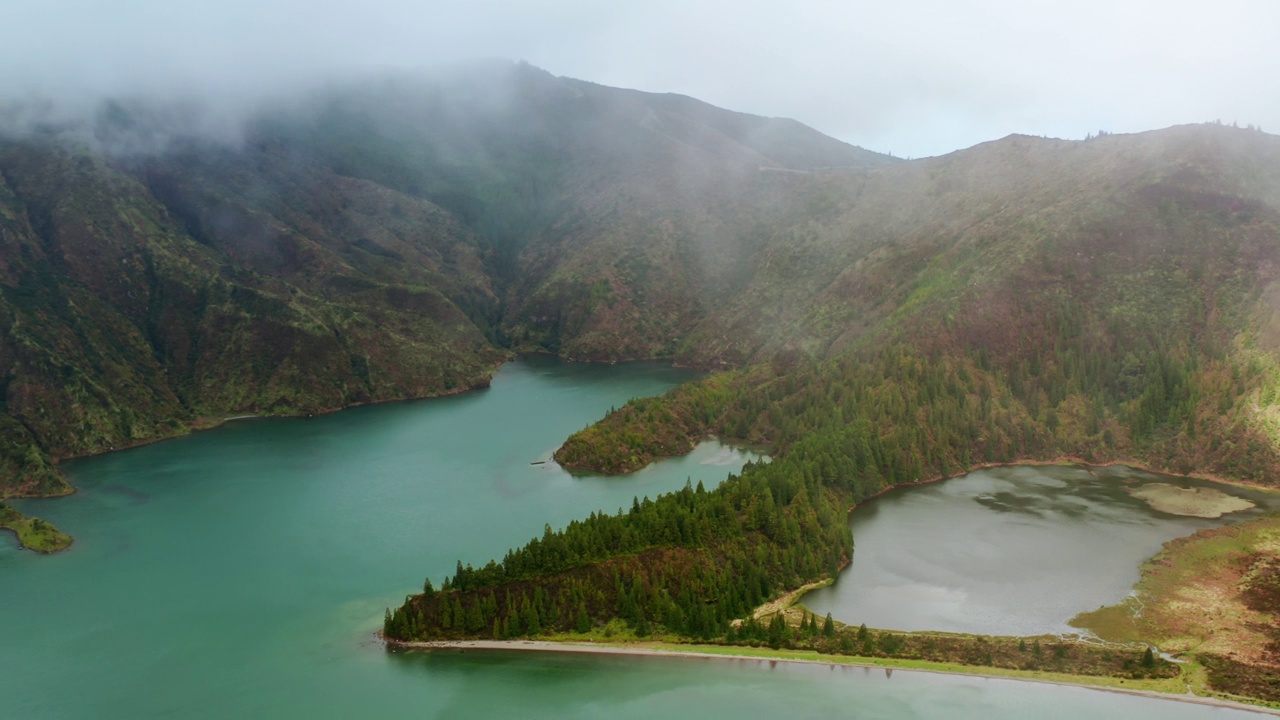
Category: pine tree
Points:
column 459, row 617
column 532, row 623
column 475, row 619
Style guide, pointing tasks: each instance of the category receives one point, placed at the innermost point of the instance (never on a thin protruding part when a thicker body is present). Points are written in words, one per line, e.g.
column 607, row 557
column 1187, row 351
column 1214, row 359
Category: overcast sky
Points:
column 912, row 78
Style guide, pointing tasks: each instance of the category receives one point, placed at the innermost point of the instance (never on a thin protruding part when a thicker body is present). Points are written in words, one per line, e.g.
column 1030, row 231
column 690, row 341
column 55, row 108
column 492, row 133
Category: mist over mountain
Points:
column 916, row 78
column 372, row 240
column 1026, row 299
column 394, row 234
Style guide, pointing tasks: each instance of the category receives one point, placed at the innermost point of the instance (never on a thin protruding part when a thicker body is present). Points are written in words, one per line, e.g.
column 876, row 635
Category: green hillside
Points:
column 1104, row 299
column 389, row 238
column 126, row 320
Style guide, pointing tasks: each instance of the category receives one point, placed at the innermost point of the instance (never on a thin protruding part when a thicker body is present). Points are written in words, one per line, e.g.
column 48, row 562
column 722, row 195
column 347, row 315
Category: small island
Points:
column 33, row 533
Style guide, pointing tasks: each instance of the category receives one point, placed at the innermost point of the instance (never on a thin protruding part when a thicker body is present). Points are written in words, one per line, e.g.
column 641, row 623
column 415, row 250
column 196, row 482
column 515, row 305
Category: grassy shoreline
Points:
column 1168, row 689
column 1210, row 597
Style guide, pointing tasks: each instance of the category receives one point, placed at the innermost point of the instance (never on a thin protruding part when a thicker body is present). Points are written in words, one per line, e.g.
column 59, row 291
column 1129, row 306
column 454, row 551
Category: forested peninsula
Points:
column 695, row 566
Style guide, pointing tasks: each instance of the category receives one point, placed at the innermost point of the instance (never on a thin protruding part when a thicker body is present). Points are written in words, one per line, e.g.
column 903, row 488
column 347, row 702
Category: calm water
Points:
column 1007, row 551
column 241, row 573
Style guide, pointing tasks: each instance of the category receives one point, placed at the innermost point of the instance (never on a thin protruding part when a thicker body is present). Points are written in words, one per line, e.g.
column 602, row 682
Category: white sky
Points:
column 904, row 76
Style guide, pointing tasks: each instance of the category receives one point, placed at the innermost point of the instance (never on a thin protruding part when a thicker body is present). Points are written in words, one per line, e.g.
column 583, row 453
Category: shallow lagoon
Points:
column 1009, row 550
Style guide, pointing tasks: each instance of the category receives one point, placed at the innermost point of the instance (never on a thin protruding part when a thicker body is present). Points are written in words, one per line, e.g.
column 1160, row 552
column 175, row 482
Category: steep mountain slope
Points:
column 617, row 218
column 1023, row 219
column 1118, row 297
column 375, row 239
column 641, row 255
column 120, row 327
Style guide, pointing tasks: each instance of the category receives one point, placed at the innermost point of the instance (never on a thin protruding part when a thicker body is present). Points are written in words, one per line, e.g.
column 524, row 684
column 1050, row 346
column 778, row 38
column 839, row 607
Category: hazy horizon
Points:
column 913, row 80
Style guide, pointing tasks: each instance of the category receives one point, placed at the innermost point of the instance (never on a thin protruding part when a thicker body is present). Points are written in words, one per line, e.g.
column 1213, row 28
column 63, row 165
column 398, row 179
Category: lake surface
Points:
column 1008, row 551
column 241, row 572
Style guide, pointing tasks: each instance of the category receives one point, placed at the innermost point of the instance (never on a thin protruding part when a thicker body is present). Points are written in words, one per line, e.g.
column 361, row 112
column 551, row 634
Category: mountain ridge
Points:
column 341, row 252
column 409, row 233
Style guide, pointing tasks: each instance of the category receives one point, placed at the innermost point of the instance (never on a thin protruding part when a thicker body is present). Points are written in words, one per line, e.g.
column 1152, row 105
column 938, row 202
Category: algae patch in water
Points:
column 1192, row 502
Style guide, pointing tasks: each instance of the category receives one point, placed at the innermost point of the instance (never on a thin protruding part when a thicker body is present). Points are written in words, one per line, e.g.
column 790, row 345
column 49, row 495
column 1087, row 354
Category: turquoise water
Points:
column 241, row 572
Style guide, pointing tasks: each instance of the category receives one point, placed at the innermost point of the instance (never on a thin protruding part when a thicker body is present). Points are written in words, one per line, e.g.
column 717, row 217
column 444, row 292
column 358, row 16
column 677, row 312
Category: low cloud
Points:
column 913, row 78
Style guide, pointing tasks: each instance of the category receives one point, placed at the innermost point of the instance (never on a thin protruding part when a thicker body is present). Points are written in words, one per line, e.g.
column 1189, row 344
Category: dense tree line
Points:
column 806, row 632
column 688, row 562
column 939, row 408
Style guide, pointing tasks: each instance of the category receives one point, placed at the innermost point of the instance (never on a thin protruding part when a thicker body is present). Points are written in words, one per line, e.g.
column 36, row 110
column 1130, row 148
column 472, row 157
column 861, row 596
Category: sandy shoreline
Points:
column 644, row 651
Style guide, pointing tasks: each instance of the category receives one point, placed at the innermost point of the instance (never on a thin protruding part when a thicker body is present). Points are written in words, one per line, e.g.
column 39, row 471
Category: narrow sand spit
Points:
column 593, row 649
